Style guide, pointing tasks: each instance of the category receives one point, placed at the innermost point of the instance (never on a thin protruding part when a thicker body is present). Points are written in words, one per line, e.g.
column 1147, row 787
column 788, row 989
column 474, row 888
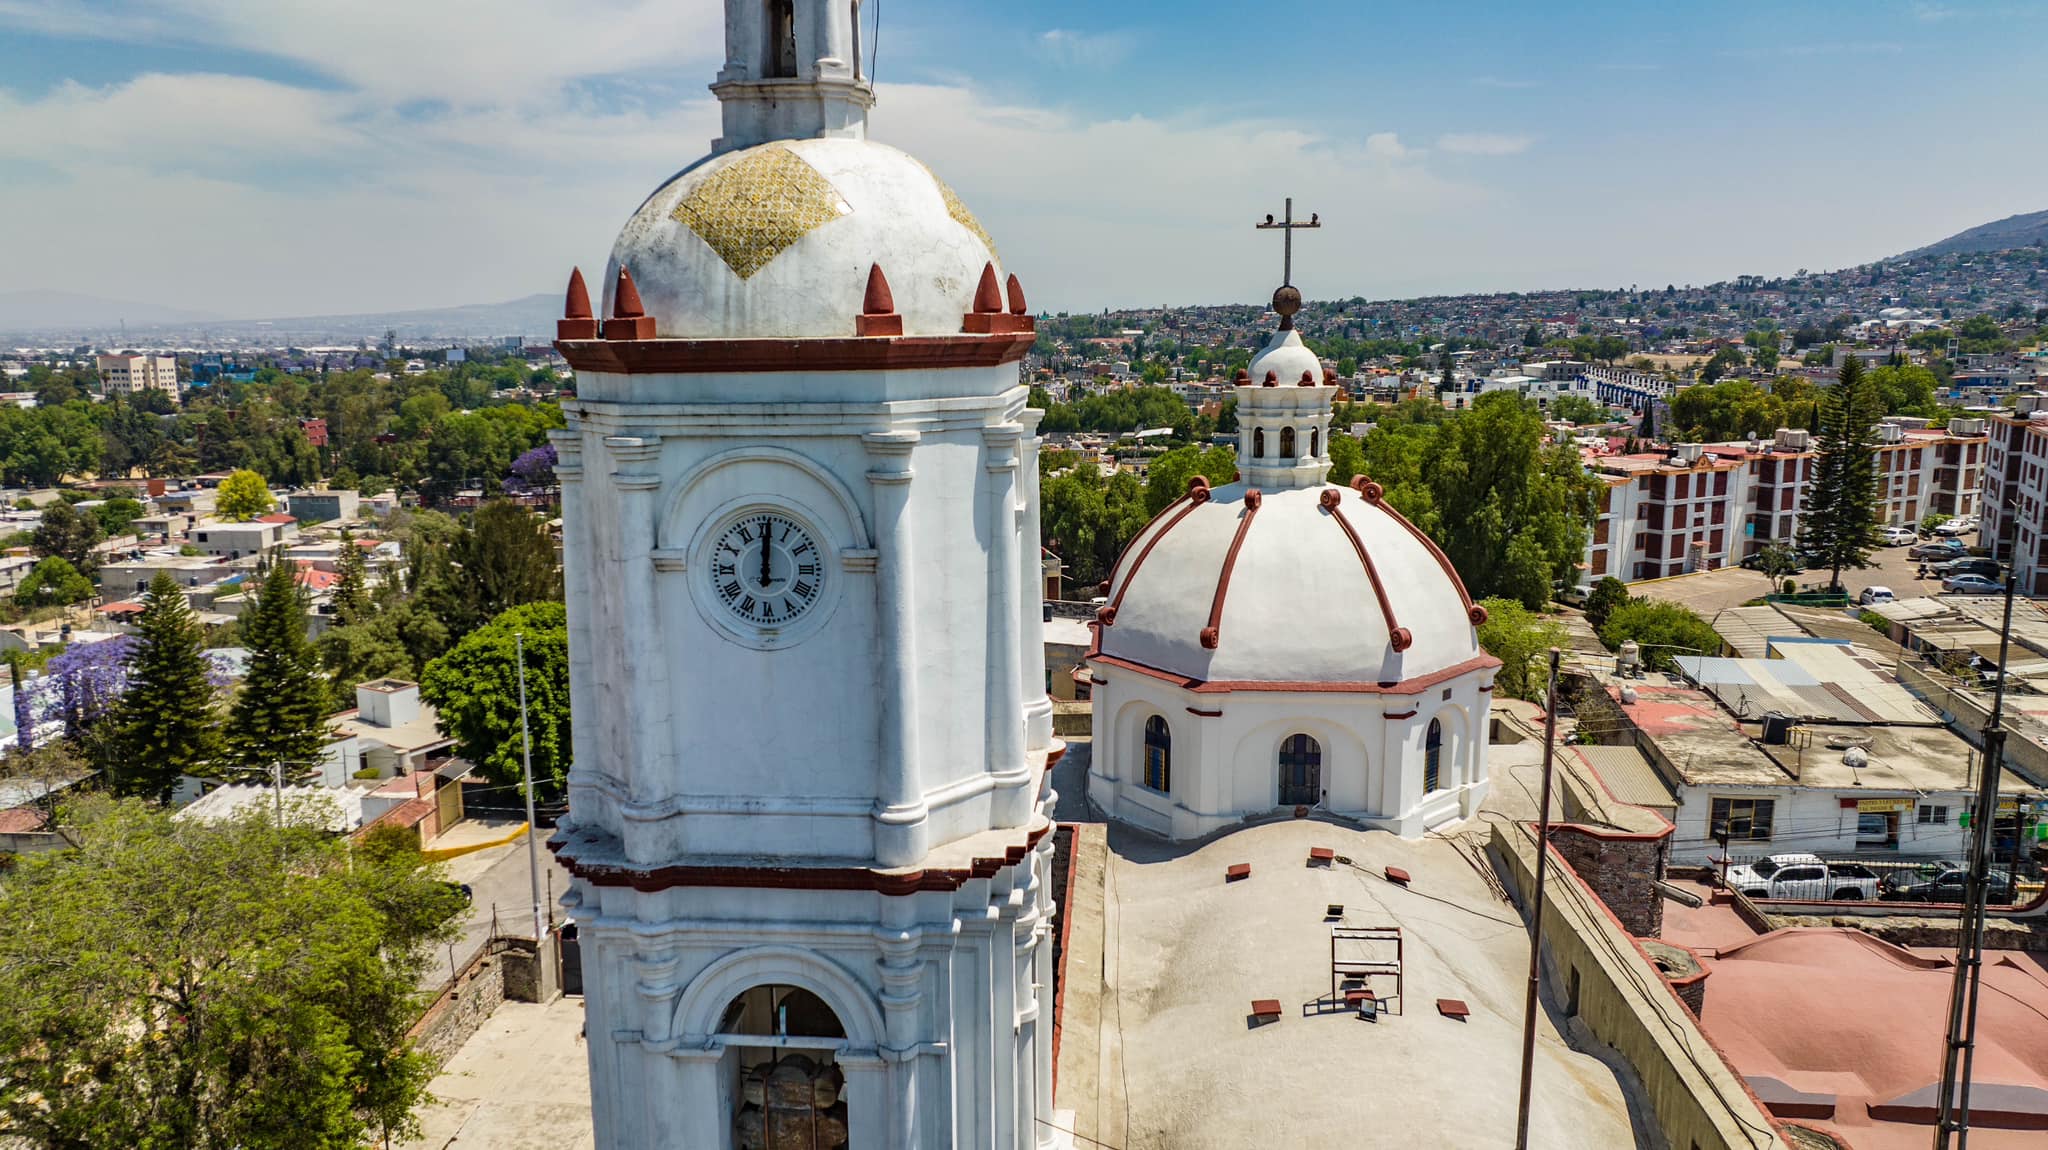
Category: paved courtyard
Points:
column 1709, row 592
column 520, row 1083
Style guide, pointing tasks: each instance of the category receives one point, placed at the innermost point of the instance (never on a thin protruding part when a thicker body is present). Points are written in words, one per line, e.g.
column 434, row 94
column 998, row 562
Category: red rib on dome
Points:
column 1197, row 494
column 1401, row 636
column 1473, row 611
column 1213, row 633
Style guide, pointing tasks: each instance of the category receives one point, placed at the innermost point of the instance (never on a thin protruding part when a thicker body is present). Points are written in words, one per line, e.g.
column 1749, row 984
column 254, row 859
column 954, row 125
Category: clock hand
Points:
column 766, row 570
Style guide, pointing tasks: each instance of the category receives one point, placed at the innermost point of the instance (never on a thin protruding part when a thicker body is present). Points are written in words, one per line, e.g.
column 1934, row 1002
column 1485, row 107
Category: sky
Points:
column 259, row 158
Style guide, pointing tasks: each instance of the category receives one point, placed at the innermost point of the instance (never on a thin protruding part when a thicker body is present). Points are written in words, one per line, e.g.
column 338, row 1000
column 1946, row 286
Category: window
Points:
column 1258, row 443
column 1301, row 771
column 1742, row 819
column 1432, row 756
column 1315, row 441
column 1287, row 443
column 1158, row 755
column 1934, row 815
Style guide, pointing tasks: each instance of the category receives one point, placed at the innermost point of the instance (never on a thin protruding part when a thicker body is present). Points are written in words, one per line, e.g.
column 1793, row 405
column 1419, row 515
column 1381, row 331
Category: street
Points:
column 497, row 878
column 1710, row 592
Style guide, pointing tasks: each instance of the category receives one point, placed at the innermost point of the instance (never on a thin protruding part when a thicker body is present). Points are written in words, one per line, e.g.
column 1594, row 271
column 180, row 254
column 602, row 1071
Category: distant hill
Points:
column 2011, row 232
column 33, row 310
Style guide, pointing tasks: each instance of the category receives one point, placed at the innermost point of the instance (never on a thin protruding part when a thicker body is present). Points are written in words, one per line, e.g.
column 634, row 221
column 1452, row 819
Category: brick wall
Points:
column 1622, row 871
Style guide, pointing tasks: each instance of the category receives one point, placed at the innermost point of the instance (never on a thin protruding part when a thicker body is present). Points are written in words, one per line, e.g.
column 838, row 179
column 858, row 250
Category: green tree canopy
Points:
column 241, row 986
column 1517, row 636
column 1166, row 479
column 243, row 496
column 475, row 687
column 167, row 725
column 66, row 534
column 1607, row 594
column 1662, row 629
column 53, row 582
column 505, row 559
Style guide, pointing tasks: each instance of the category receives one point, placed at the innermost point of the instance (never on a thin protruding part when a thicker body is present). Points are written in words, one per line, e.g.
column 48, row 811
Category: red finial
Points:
column 1330, row 376
column 1015, row 290
column 577, row 306
column 629, row 319
column 1253, row 498
column 626, row 297
column 1308, row 379
column 988, row 298
column 576, row 321
column 1243, row 377
column 879, row 300
column 1272, row 378
column 1198, row 488
column 1330, row 498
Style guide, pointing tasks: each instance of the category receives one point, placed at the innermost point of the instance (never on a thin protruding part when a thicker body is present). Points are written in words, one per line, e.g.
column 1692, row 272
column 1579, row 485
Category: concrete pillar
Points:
column 902, row 974
column 700, row 1113
column 576, row 553
column 870, row 1080
column 1010, row 802
column 901, row 830
column 1031, row 580
column 647, row 739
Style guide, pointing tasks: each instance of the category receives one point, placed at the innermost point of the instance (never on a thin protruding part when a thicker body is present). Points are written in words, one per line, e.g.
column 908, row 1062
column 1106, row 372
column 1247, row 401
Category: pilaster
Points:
column 1031, row 584
column 636, row 479
column 901, row 830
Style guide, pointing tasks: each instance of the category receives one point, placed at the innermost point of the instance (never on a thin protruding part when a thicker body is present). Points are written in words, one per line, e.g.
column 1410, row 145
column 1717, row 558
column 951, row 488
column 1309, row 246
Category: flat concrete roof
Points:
column 1186, row 953
column 1702, row 742
column 1900, row 759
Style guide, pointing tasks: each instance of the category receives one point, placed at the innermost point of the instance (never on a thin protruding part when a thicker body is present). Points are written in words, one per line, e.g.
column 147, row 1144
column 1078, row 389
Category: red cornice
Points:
column 874, row 353
column 1213, row 633
column 1400, row 636
column 797, row 878
column 1414, row 686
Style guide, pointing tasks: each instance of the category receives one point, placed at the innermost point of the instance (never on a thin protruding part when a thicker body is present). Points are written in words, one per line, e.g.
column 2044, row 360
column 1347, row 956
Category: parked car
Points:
column 1948, row 886
column 1957, row 527
column 1971, row 585
column 1898, row 536
column 1969, row 565
column 1940, row 549
column 1875, row 595
column 1804, row 877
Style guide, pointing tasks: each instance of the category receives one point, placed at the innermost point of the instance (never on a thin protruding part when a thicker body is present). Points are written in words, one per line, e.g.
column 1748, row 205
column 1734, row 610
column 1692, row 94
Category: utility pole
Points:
column 1536, row 909
column 540, row 929
column 1952, row 1123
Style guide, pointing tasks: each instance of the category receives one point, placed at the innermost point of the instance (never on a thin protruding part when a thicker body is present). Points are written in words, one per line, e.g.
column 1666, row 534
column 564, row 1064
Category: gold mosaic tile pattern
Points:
column 752, row 209
column 957, row 208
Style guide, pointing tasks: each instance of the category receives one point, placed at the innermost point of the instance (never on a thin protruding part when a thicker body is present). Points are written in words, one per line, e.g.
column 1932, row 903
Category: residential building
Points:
column 2015, row 496
column 390, row 732
column 235, row 540
column 324, row 505
column 127, row 374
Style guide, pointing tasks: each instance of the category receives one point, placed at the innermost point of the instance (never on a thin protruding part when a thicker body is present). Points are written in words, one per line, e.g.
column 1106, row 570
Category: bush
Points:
column 1932, row 520
column 367, row 773
column 1608, row 594
column 1790, row 587
column 1662, row 630
column 1516, row 636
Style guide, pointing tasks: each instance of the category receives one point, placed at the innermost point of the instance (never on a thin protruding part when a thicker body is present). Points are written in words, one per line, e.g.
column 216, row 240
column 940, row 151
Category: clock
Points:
column 765, row 570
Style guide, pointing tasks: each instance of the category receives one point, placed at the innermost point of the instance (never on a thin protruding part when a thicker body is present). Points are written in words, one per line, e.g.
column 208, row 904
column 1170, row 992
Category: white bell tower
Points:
column 809, row 820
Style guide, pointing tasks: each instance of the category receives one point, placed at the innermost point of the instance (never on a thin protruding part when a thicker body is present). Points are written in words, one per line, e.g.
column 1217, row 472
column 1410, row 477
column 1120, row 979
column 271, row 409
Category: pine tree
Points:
column 351, row 591
column 1839, row 522
column 280, row 713
column 168, row 723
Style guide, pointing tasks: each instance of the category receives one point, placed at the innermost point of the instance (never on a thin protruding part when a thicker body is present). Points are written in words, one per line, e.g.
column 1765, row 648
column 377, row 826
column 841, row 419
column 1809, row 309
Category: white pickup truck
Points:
column 1804, row 878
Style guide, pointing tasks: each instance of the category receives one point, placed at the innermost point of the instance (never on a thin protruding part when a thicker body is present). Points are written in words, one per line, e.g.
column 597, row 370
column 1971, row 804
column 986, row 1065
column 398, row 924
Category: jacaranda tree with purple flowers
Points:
column 535, row 468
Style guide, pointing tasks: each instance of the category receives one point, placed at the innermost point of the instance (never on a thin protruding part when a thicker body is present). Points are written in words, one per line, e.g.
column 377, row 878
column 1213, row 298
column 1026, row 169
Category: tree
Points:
column 1838, row 525
column 1777, row 561
column 1167, row 478
column 351, row 597
column 52, row 582
column 475, row 687
column 68, row 535
column 280, row 712
column 241, row 986
column 1662, row 629
column 117, row 513
column 167, row 724
column 1608, row 594
column 1577, row 409
column 243, row 496
column 505, row 559
column 1516, row 636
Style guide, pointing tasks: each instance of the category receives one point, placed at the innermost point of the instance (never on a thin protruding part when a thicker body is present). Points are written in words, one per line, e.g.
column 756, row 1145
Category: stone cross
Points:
column 1286, row 225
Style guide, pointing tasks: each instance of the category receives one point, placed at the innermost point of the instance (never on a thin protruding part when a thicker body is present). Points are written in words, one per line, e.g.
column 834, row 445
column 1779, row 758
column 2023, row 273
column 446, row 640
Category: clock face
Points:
column 766, row 569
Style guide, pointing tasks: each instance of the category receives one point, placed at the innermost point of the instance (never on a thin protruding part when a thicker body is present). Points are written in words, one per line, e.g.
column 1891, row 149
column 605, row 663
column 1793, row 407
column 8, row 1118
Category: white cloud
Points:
column 1484, row 143
column 1071, row 49
column 1386, row 144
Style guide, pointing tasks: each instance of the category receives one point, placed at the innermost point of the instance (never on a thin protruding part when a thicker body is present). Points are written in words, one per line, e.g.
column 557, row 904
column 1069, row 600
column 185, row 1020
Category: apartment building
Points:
column 128, row 374
column 1696, row 507
column 2015, row 493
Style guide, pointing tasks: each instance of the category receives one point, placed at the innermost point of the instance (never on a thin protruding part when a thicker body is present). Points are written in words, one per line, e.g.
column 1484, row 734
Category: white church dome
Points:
column 1286, row 359
column 776, row 241
column 1318, row 586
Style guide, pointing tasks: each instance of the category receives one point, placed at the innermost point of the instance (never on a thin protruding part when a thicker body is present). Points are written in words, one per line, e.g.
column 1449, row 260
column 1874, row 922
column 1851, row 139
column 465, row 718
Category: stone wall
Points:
column 1694, row 1097
column 1622, row 870
column 462, row 1008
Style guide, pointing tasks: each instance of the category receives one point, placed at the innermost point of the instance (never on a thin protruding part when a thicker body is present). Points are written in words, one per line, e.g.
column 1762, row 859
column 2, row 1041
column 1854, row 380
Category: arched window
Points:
column 1315, row 442
column 1301, row 771
column 780, row 63
column 1158, row 755
column 1258, row 443
column 1432, row 756
column 1287, row 443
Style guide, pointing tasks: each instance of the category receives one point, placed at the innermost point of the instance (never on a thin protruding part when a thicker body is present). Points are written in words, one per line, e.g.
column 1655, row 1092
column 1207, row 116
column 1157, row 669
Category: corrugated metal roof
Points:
column 1750, row 629
column 1820, row 681
column 1629, row 776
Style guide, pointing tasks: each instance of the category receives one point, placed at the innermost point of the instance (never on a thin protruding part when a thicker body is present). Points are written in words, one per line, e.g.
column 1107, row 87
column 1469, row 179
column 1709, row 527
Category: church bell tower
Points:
column 809, row 814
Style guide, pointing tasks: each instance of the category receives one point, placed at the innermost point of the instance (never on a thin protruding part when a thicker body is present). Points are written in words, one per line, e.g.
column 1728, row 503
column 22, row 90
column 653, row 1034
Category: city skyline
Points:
column 187, row 153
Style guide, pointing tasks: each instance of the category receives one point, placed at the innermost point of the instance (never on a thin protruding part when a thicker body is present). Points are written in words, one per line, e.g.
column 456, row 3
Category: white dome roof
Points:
column 1296, row 603
column 775, row 241
column 1287, row 358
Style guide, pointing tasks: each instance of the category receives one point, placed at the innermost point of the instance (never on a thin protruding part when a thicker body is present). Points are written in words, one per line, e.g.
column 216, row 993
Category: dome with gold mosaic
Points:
column 777, row 241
